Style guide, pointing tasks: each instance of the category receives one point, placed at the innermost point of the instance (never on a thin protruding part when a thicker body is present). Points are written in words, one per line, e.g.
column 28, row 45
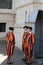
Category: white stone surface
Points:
column 18, row 36
column 20, row 17
column 7, row 11
column 8, row 19
column 42, row 7
column 2, row 58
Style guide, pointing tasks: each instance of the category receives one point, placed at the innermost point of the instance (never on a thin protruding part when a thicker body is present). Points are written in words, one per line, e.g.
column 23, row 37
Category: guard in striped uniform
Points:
column 29, row 44
column 10, row 43
column 24, row 41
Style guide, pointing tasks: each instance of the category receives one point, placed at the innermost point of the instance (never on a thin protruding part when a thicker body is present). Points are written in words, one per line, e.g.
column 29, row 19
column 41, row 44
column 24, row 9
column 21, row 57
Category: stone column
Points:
column 13, row 4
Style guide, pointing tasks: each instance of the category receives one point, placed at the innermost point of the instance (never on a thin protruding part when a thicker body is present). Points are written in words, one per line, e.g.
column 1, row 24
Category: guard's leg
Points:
column 25, row 53
column 8, row 59
column 28, row 61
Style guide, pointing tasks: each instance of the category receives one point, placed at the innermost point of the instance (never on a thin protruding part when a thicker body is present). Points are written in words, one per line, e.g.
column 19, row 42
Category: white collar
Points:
column 26, row 31
column 30, row 32
column 10, row 31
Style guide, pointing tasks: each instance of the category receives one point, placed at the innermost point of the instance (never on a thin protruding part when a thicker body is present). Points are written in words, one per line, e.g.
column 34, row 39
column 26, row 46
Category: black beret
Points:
column 30, row 27
column 25, row 27
column 11, row 28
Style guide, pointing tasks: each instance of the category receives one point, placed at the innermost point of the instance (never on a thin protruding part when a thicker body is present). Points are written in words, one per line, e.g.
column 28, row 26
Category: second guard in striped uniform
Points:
column 24, row 41
column 30, row 42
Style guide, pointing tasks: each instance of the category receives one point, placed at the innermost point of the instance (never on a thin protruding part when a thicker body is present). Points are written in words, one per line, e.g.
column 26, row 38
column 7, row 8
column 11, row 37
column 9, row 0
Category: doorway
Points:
column 39, row 35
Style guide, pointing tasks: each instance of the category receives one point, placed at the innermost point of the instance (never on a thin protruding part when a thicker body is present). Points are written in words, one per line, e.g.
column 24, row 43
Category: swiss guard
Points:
column 29, row 45
column 24, row 42
column 10, row 43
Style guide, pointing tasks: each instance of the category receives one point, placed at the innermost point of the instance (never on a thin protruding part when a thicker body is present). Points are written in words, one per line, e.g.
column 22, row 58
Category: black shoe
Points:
column 9, row 63
column 31, row 62
column 24, row 59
